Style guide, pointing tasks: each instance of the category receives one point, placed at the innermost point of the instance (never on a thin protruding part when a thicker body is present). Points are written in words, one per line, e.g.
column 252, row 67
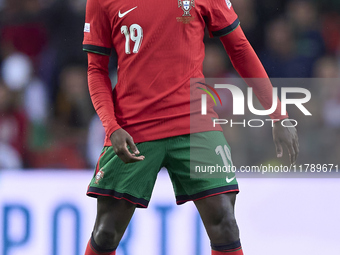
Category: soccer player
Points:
column 147, row 116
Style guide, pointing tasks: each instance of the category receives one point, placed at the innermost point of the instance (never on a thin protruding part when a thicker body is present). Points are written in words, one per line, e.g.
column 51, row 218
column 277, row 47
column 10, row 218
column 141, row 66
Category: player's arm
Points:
column 101, row 95
column 98, row 43
column 248, row 65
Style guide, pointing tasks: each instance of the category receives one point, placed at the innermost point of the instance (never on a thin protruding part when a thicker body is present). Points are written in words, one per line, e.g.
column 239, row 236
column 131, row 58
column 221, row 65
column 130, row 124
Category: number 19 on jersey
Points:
column 135, row 34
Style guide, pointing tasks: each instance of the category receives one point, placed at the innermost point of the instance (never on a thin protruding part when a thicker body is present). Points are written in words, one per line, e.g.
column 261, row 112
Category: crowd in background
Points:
column 46, row 116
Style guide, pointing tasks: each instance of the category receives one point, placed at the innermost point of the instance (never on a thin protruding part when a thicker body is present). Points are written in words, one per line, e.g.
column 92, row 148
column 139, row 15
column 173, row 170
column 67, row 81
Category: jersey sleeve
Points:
column 249, row 66
column 221, row 17
column 97, row 30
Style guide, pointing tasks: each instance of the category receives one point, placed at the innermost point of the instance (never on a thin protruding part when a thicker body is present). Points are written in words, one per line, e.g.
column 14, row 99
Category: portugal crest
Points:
column 99, row 176
column 186, row 6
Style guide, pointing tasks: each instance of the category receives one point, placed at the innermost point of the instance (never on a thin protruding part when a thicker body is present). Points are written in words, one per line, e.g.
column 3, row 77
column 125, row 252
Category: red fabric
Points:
column 152, row 97
column 99, row 33
column 90, row 251
column 218, row 13
column 101, row 92
column 248, row 65
column 239, row 252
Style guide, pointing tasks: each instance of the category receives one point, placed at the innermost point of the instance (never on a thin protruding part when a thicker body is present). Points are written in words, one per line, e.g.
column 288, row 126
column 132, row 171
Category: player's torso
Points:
column 160, row 47
column 153, row 29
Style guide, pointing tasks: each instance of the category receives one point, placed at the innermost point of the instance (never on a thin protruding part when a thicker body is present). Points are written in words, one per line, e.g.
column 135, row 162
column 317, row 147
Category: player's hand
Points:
column 286, row 136
column 120, row 140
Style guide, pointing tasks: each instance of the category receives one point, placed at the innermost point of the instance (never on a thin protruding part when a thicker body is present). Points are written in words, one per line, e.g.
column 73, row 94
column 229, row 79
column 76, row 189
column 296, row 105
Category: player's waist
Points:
column 159, row 128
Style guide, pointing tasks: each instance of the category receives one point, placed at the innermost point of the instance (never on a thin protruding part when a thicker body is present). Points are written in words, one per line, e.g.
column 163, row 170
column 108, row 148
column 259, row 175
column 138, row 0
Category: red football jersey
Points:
column 160, row 47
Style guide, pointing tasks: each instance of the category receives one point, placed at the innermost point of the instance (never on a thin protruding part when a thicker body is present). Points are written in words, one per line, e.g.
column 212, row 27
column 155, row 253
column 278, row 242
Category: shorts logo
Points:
column 228, row 3
column 87, row 28
column 229, row 180
column 186, row 6
column 99, row 176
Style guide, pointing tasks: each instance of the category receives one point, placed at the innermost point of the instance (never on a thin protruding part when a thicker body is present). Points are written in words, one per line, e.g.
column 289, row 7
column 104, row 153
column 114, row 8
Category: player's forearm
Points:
column 101, row 91
column 248, row 65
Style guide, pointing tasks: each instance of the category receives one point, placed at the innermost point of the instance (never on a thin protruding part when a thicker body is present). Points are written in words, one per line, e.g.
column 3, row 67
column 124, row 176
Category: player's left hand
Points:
column 286, row 136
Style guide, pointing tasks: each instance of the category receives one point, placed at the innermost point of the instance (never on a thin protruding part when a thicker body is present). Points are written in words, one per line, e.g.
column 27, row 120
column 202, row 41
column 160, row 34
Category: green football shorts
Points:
column 134, row 182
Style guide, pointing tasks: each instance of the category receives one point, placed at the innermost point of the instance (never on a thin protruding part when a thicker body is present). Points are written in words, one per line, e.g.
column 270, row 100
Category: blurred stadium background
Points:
column 50, row 136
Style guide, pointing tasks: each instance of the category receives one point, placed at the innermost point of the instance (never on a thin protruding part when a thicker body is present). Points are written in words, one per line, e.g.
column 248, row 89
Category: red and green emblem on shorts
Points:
column 99, row 176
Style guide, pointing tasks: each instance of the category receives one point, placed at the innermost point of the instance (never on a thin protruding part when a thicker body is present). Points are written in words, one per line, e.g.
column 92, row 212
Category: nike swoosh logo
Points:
column 121, row 15
column 229, row 180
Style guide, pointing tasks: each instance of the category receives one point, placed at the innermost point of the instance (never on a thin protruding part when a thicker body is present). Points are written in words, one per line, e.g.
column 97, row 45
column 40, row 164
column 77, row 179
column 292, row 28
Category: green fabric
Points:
column 177, row 154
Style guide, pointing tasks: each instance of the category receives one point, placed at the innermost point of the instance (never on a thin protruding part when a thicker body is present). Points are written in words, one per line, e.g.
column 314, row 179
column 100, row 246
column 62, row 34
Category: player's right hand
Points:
column 120, row 140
